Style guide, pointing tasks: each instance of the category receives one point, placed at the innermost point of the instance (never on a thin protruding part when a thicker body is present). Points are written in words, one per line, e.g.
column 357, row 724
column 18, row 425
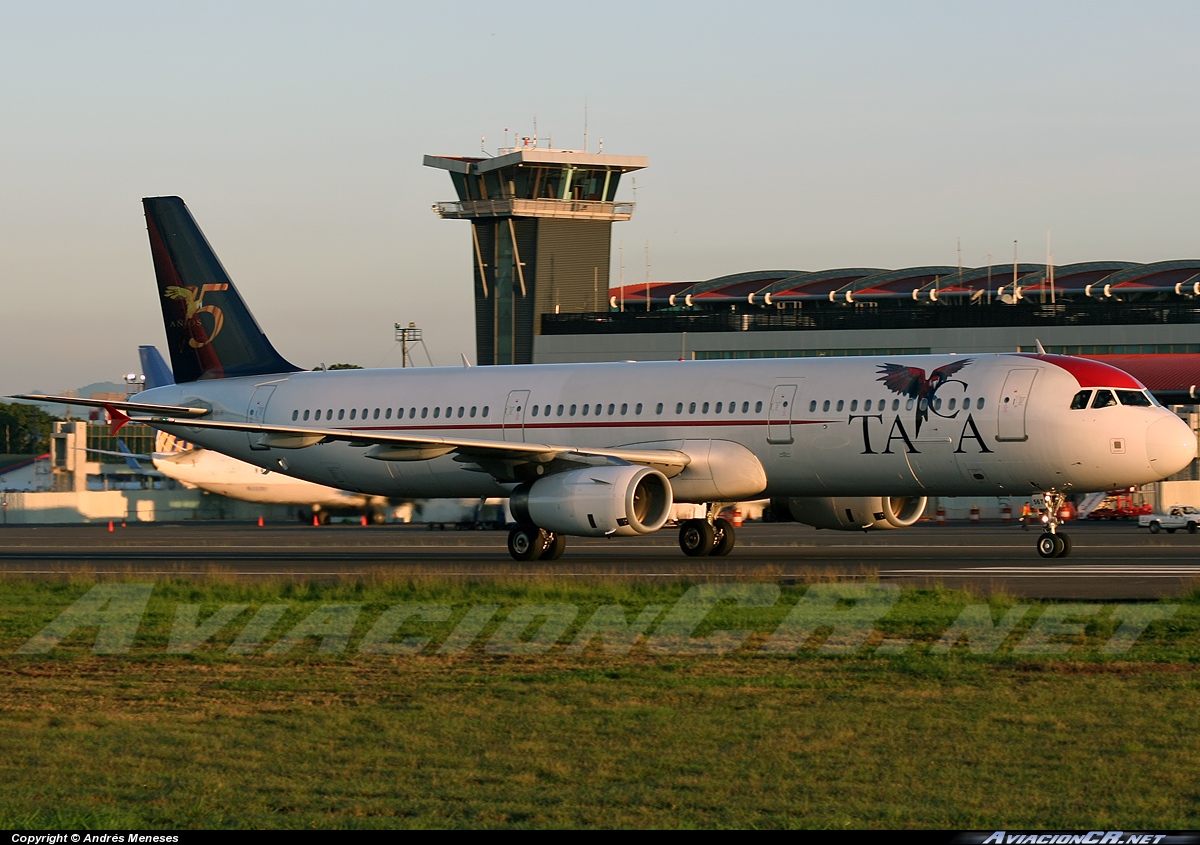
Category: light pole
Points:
column 404, row 336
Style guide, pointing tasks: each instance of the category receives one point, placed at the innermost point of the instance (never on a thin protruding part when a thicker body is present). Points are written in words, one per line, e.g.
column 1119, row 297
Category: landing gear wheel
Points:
column 725, row 538
column 556, row 544
column 696, row 537
column 1065, row 539
column 526, row 542
column 1048, row 545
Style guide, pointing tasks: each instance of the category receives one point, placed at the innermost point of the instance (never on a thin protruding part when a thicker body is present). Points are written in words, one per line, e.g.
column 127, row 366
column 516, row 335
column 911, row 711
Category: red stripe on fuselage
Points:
column 1090, row 373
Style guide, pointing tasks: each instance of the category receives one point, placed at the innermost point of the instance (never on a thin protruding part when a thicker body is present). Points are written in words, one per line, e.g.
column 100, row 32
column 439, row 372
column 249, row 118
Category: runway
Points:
column 1115, row 561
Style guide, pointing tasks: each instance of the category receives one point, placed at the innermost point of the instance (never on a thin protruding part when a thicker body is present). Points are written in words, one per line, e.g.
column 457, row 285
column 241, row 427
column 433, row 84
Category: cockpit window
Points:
column 1134, row 397
column 1081, row 399
column 1104, row 398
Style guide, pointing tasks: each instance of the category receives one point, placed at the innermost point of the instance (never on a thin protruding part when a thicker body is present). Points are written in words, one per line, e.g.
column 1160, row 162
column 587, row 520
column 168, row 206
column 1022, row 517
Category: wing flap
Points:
column 409, row 447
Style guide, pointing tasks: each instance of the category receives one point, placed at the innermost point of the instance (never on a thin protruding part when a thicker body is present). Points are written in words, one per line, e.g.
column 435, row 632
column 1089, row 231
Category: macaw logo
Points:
column 912, row 383
column 193, row 300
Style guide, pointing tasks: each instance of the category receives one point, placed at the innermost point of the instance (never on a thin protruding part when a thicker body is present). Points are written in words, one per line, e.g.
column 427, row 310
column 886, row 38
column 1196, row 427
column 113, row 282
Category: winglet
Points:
column 116, row 419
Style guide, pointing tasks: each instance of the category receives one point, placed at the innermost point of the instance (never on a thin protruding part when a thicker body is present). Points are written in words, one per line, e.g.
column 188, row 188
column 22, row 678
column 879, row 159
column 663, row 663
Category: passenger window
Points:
column 825, row 405
column 485, row 410
column 437, row 412
column 295, row 415
column 387, row 415
column 1104, row 399
column 317, row 415
column 584, row 410
column 624, row 408
column 610, row 409
column 341, row 413
column 354, row 411
column 746, row 407
column 375, row 414
column 679, row 408
column 462, row 410
column 717, row 409
column 572, row 410
column 559, row 410
column 908, row 406
column 306, row 416
column 867, row 405
column 545, row 412
column 704, row 409
column 758, row 407
column 691, row 407
column 853, row 405
column 412, row 412
column 473, row 409
column 953, row 402
column 637, row 409
column 1134, row 398
column 967, row 404
column 535, row 410
column 979, row 404
column 659, row 409
column 450, row 411
column 896, row 404
column 841, row 404
column 1081, row 399
column 424, row 413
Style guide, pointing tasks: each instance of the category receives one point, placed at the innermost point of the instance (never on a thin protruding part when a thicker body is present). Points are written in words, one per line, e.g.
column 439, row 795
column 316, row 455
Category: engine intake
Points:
column 596, row 502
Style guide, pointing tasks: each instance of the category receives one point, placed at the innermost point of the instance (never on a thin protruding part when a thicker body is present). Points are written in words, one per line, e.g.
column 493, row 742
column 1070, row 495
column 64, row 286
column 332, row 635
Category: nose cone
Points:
column 1170, row 445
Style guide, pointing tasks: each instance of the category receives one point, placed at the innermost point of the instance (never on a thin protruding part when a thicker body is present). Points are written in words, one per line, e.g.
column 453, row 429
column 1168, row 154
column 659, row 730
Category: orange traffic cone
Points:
column 316, row 521
column 123, row 525
column 110, row 526
column 364, row 520
column 260, row 521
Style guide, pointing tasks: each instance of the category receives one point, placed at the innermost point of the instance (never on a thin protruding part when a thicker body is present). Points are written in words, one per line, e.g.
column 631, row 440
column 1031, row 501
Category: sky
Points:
column 780, row 136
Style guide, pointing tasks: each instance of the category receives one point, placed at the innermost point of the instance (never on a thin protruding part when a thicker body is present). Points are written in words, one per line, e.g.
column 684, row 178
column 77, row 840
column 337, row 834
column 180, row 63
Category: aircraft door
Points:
column 257, row 412
column 780, row 414
column 514, row 415
column 1014, row 399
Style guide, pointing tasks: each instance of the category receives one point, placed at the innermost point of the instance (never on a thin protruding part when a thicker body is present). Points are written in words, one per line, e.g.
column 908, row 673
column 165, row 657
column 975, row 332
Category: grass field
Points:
column 883, row 735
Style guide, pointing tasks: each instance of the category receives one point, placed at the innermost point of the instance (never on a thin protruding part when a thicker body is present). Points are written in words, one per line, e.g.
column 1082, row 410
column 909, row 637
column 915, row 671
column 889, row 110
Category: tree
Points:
column 24, row 429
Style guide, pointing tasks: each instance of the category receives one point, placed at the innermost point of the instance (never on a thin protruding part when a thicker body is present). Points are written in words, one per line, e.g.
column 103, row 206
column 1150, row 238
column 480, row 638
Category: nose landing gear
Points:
column 1053, row 543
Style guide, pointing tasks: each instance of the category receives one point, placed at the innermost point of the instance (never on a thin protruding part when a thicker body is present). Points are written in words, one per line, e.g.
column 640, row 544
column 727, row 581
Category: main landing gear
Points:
column 711, row 536
column 1053, row 543
column 528, row 542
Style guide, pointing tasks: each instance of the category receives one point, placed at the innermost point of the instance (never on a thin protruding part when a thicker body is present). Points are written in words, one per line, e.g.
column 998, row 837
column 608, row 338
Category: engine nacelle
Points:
column 596, row 502
column 846, row 513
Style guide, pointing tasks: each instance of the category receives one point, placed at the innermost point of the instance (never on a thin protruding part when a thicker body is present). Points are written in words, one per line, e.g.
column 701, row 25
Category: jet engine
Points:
column 596, row 502
column 844, row 513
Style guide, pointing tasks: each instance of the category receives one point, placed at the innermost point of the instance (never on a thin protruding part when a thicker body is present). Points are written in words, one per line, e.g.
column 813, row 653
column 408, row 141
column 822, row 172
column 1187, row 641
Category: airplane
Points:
column 604, row 449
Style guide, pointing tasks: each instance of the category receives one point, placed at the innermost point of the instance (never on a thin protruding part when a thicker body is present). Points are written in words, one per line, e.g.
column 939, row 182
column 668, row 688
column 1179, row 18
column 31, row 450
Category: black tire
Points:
column 725, row 539
column 696, row 537
column 1191, row 528
column 1048, row 545
column 1066, row 544
column 526, row 542
column 556, row 544
column 1155, row 527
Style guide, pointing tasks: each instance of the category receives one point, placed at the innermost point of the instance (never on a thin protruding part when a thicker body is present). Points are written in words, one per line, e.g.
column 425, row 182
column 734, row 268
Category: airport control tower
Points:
column 541, row 227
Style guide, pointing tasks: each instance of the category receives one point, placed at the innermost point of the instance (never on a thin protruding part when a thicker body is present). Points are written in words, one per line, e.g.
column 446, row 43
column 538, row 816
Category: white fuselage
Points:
column 221, row 474
column 819, row 427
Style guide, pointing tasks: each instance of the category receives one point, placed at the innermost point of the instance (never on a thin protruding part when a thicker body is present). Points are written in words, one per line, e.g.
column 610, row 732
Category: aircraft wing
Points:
column 506, row 461
column 117, row 405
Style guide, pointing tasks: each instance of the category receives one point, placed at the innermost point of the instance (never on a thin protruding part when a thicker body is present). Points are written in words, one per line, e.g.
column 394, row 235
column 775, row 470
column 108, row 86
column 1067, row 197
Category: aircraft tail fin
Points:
column 130, row 459
column 210, row 331
column 154, row 368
